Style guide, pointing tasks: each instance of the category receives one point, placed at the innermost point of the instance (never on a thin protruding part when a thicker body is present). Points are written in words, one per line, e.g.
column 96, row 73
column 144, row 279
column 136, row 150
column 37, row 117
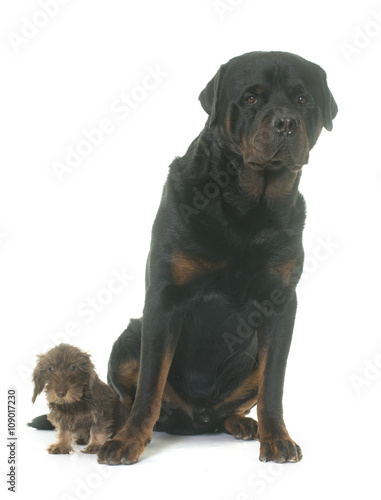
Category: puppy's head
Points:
column 64, row 372
column 269, row 107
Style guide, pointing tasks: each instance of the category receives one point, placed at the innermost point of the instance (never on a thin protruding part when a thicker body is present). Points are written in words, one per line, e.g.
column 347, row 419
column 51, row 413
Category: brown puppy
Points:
column 82, row 407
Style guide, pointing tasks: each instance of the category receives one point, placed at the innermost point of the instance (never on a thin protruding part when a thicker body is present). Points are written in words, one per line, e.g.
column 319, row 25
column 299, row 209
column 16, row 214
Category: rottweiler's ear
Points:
column 329, row 107
column 210, row 97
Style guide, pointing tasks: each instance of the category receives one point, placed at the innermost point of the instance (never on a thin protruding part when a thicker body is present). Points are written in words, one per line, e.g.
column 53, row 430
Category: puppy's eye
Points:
column 73, row 368
column 252, row 99
column 302, row 99
column 50, row 369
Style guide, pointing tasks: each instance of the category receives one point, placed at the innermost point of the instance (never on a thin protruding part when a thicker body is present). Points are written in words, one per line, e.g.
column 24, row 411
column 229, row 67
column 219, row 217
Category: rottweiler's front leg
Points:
column 274, row 343
column 159, row 338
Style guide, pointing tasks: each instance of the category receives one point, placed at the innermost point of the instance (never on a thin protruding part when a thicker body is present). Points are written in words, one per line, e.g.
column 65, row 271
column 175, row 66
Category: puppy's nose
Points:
column 285, row 125
column 61, row 394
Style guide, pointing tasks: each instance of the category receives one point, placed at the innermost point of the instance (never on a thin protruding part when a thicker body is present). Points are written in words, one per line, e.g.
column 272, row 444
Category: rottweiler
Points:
column 225, row 258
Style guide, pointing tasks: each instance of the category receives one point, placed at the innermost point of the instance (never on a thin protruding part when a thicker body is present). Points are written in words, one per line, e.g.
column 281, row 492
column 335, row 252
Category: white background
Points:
column 61, row 241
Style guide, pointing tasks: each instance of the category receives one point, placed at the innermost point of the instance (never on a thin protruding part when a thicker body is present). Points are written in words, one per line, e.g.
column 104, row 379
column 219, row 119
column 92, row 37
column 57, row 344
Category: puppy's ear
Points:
column 92, row 375
column 92, row 379
column 39, row 379
column 329, row 107
column 210, row 96
column 86, row 367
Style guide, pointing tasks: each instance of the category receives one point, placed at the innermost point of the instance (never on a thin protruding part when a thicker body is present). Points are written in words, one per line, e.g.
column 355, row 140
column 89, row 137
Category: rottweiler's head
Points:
column 269, row 107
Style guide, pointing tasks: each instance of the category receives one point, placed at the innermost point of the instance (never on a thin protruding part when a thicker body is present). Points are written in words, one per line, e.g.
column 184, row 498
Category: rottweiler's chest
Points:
column 260, row 265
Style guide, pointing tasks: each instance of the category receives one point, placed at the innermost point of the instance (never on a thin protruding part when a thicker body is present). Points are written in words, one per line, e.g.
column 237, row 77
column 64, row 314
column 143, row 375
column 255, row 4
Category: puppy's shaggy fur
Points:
column 82, row 407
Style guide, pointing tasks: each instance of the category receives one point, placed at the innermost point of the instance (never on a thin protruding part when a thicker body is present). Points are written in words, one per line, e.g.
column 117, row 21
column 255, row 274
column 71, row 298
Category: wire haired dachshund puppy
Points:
column 226, row 255
column 82, row 407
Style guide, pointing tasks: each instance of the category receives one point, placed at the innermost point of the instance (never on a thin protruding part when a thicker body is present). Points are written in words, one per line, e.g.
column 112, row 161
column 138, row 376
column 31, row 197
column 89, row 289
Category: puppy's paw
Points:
column 59, row 448
column 92, row 448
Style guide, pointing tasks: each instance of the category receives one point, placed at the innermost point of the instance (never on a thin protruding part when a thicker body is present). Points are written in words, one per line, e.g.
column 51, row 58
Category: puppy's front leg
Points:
column 99, row 433
column 63, row 445
column 159, row 338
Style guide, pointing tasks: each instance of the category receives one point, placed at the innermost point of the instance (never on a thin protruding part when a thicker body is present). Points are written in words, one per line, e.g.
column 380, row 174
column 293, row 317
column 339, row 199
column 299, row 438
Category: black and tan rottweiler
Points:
column 225, row 258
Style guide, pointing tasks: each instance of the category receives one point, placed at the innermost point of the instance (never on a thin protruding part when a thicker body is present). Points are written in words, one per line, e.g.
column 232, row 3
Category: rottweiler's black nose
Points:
column 285, row 125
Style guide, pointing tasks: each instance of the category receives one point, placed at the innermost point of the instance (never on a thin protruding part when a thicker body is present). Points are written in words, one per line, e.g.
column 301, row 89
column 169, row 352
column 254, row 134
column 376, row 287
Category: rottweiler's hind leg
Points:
column 123, row 366
column 241, row 427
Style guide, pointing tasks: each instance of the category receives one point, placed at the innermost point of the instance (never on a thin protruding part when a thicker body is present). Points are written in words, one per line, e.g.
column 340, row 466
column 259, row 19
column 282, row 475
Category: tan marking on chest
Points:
column 185, row 268
column 286, row 270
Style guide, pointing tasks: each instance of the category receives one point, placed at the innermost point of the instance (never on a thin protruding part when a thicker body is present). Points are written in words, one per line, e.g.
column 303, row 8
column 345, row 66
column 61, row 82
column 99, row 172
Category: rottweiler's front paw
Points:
column 279, row 450
column 121, row 451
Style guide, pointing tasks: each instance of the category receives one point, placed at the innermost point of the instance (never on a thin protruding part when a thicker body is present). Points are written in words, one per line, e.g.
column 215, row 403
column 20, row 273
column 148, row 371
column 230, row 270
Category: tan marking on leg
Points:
column 241, row 427
column 248, row 386
column 130, row 441
column 275, row 440
column 128, row 374
column 261, row 369
column 156, row 405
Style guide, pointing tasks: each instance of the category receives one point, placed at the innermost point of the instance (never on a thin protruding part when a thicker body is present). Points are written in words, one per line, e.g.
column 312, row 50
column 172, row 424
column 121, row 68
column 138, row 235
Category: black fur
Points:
column 225, row 259
column 42, row 423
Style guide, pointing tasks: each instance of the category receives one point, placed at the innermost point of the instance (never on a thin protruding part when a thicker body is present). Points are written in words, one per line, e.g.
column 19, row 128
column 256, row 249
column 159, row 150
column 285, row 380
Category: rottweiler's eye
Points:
column 73, row 368
column 302, row 99
column 50, row 369
column 252, row 99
